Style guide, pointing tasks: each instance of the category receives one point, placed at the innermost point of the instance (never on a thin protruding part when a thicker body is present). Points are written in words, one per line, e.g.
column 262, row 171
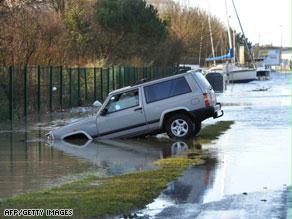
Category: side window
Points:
column 123, row 101
column 166, row 89
column 202, row 80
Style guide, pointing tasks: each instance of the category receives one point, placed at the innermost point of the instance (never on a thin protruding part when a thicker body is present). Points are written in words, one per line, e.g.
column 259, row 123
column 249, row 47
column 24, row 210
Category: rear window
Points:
column 166, row 89
column 202, row 80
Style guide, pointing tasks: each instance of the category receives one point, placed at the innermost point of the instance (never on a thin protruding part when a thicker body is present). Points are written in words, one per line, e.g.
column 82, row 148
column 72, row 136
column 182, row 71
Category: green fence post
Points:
column 61, row 87
column 108, row 81
column 113, row 77
column 10, row 71
column 135, row 75
column 51, row 89
column 101, row 83
column 143, row 73
column 94, row 83
column 124, row 77
column 25, row 93
column 78, row 84
column 120, row 77
column 70, row 87
column 39, row 87
column 85, row 84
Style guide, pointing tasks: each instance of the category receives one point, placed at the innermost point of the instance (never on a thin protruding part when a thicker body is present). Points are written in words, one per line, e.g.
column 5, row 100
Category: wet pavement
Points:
column 252, row 178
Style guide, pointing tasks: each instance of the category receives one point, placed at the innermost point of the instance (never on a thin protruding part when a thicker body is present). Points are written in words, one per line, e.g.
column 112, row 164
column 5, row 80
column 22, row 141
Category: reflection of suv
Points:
column 176, row 105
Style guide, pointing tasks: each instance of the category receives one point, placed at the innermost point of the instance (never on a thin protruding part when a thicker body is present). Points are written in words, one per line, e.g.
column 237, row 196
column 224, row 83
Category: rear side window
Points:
column 202, row 80
column 166, row 89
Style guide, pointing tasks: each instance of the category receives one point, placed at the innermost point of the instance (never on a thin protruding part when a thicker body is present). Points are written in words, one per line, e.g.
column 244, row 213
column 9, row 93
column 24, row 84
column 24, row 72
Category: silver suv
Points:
column 176, row 105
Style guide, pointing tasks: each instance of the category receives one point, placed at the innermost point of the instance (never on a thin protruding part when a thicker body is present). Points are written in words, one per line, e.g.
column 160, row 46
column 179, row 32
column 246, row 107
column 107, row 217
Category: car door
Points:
column 124, row 116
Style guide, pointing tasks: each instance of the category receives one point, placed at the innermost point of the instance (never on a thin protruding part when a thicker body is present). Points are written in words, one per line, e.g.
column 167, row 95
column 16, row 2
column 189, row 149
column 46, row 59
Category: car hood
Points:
column 84, row 128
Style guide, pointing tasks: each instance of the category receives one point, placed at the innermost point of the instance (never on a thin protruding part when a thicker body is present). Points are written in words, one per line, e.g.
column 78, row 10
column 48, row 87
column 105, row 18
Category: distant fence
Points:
column 46, row 89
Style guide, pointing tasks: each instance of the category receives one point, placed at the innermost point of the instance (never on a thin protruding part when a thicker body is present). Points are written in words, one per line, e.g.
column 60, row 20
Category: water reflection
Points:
column 121, row 156
column 192, row 185
column 28, row 163
column 190, row 188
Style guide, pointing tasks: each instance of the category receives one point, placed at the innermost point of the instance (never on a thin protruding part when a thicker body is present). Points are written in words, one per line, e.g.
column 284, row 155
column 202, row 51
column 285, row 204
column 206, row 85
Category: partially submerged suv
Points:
column 176, row 105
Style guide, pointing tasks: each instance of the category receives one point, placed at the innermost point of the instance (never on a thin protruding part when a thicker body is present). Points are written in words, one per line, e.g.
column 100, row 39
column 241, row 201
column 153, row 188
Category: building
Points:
column 286, row 57
column 277, row 57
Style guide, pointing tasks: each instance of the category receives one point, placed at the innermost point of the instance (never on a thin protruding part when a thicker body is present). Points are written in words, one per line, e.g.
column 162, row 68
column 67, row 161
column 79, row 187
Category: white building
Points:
column 276, row 57
column 286, row 56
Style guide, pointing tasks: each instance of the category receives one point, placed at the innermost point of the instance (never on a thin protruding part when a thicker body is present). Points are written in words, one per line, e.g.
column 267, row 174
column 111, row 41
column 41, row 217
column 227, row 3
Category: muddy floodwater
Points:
column 28, row 163
column 252, row 178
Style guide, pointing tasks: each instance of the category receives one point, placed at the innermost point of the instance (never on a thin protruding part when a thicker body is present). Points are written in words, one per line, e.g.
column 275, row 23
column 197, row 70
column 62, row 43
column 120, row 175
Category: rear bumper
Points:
column 208, row 112
column 218, row 112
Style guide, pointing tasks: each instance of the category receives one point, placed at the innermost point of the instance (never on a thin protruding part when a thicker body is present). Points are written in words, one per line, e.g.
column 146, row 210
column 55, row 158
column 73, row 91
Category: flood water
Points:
column 28, row 163
column 252, row 178
column 254, row 158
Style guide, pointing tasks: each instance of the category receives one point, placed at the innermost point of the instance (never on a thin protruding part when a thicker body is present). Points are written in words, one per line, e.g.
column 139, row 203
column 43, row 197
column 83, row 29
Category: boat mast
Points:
column 211, row 35
column 228, row 26
column 201, row 45
column 234, row 46
column 244, row 38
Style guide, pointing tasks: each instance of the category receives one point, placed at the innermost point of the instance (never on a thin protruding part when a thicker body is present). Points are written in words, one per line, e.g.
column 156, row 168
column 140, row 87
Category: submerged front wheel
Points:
column 179, row 126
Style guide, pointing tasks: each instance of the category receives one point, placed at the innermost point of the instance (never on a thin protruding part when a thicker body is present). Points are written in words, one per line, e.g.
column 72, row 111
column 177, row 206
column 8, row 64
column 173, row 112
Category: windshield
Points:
column 123, row 101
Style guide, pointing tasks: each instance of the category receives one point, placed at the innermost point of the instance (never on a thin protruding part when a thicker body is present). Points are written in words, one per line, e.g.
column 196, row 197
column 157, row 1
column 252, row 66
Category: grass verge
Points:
column 95, row 197
column 212, row 132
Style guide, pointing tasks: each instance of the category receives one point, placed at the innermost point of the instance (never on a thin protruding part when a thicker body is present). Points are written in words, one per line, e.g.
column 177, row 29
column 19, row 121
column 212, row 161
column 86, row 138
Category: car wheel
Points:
column 179, row 126
column 197, row 128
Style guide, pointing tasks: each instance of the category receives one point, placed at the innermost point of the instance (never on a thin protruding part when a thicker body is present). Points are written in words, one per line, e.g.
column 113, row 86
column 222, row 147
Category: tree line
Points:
column 105, row 33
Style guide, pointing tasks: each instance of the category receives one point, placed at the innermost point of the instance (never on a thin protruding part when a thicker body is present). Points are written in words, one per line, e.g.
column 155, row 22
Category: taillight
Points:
column 206, row 100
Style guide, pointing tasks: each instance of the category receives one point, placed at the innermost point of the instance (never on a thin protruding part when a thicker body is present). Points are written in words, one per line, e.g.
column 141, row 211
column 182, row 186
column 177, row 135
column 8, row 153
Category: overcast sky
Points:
column 263, row 21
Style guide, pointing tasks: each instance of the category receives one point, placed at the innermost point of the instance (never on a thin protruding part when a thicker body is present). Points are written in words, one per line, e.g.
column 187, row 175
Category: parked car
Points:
column 176, row 105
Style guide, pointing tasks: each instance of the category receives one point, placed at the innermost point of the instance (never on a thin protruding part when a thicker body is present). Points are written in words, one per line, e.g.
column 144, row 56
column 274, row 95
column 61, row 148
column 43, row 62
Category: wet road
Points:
column 252, row 178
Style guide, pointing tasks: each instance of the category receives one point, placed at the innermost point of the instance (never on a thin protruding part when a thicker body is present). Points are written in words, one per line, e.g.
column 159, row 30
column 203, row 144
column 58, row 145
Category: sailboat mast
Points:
column 228, row 26
column 201, row 45
column 211, row 35
column 234, row 46
column 244, row 38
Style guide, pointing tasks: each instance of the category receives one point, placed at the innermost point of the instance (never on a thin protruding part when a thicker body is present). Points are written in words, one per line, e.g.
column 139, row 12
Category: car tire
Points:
column 179, row 126
column 197, row 128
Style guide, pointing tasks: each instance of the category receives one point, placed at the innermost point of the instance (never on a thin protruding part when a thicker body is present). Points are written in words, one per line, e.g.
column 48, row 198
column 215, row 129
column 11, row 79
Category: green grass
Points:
column 212, row 132
column 99, row 197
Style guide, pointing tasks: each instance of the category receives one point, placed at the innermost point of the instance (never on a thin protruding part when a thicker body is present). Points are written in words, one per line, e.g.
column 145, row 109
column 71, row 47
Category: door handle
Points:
column 137, row 109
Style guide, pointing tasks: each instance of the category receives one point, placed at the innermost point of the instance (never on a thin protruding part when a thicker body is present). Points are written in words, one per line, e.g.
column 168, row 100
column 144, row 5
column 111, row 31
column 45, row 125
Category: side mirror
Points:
column 97, row 103
column 103, row 112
